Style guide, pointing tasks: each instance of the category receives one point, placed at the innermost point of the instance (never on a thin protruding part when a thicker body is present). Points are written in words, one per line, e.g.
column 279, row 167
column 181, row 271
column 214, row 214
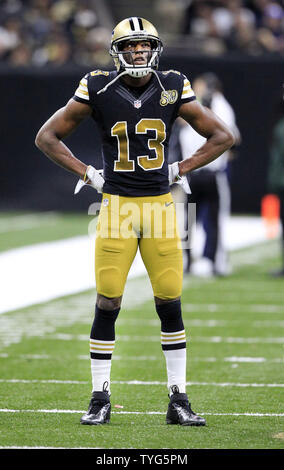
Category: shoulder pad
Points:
column 98, row 79
column 166, row 72
column 99, row 72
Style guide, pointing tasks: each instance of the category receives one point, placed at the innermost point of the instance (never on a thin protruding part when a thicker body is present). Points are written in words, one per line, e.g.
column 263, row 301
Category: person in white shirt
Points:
column 209, row 185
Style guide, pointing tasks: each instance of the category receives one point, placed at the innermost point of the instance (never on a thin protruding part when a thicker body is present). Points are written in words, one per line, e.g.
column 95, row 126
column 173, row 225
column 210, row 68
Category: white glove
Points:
column 174, row 177
column 94, row 179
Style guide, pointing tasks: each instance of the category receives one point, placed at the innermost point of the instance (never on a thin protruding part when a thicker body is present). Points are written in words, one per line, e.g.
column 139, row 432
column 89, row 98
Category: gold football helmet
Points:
column 135, row 29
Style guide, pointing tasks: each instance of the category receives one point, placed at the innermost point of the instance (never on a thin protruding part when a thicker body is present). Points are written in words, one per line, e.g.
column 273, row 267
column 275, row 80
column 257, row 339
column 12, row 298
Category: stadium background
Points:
column 47, row 288
column 47, row 45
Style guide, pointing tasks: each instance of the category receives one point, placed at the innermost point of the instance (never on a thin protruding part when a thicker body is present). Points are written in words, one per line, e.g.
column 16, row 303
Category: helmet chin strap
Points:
column 112, row 81
column 142, row 73
column 125, row 72
column 146, row 70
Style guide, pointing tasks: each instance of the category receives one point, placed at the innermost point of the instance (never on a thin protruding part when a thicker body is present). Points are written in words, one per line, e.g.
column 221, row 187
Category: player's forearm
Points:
column 212, row 149
column 59, row 153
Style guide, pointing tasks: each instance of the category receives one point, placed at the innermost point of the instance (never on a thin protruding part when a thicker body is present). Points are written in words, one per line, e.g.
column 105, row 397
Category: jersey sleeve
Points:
column 187, row 93
column 82, row 92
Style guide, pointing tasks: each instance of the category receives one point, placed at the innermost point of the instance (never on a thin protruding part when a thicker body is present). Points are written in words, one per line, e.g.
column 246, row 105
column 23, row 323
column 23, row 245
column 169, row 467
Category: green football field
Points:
column 235, row 372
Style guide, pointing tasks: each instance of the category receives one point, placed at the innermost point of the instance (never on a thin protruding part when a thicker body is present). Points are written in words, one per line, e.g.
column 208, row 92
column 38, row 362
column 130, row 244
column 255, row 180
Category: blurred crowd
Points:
column 252, row 27
column 52, row 32
column 60, row 32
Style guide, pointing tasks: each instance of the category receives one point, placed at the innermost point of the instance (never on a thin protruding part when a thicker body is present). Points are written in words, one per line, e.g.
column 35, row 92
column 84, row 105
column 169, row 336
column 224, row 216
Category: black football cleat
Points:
column 180, row 412
column 99, row 409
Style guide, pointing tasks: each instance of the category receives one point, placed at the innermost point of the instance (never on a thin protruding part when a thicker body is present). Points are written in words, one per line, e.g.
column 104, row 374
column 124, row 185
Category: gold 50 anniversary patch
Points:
column 168, row 97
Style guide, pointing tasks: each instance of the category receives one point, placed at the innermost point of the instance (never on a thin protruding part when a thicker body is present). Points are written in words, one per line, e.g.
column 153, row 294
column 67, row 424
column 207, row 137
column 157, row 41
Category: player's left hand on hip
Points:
column 93, row 178
column 174, row 177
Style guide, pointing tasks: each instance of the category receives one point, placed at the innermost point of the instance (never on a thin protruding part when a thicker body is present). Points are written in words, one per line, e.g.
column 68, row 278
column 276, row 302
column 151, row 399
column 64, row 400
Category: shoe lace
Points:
column 96, row 405
column 181, row 401
column 185, row 404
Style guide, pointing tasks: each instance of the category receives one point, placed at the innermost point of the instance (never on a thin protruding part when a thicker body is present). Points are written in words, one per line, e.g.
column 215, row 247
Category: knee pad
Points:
column 168, row 284
column 109, row 281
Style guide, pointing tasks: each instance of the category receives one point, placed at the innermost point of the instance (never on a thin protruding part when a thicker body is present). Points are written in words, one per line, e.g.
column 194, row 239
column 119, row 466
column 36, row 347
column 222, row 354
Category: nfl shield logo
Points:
column 137, row 104
column 105, row 202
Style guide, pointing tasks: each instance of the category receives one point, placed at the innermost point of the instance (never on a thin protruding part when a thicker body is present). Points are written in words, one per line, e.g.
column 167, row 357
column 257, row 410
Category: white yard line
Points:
column 146, row 383
column 195, row 322
column 232, row 307
column 55, row 411
column 219, row 339
column 86, row 357
column 49, row 448
column 150, row 339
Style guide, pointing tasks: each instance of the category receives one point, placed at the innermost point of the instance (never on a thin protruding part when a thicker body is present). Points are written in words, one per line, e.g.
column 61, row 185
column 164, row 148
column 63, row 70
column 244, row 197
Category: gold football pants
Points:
column 148, row 222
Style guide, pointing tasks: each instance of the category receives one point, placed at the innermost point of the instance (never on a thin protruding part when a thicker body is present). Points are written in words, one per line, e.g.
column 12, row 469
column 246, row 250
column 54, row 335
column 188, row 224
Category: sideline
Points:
column 46, row 271
column 38, row 273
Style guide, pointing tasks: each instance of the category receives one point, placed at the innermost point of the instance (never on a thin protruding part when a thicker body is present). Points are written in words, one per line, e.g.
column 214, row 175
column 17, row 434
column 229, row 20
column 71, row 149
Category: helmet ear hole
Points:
column 120, row 45
column 154, row 44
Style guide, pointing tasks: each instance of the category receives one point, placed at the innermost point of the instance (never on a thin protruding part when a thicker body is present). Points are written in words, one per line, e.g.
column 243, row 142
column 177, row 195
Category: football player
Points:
column 134, row 108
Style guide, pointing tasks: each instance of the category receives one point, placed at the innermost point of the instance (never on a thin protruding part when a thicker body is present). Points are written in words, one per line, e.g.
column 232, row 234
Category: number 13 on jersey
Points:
column 124, row 163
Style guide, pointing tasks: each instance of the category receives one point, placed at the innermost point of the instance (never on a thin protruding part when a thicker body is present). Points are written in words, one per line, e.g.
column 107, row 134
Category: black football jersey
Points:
column 135, row 126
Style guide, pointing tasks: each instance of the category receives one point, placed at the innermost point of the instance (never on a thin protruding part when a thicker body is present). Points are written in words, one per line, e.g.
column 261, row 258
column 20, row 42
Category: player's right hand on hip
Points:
column 174, row 173
column 93, row 178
